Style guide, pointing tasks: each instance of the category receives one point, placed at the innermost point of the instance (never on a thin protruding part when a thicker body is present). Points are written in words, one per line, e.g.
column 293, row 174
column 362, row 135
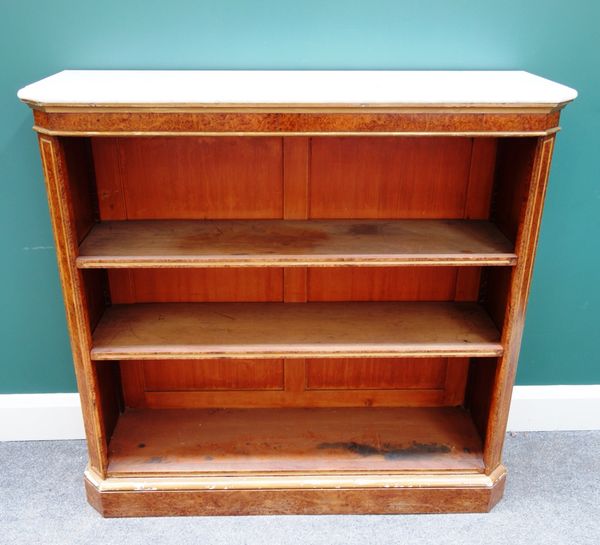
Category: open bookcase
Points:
column 295, row 292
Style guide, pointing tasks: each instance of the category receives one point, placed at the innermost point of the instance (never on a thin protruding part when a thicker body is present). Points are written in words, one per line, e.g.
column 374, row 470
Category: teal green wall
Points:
column 556, row 39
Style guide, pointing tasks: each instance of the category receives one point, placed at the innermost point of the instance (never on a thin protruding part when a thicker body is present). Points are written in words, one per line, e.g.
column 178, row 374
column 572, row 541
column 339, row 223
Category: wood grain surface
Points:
column 254, row 330
column 148, row 442
column 293, row 243
column 156, row 123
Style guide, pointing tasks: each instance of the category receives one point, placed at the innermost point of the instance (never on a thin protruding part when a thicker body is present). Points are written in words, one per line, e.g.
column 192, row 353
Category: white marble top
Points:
column 113, row 88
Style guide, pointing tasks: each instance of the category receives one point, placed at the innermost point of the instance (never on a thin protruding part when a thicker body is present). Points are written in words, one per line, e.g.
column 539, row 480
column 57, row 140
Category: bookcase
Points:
column 295, row 292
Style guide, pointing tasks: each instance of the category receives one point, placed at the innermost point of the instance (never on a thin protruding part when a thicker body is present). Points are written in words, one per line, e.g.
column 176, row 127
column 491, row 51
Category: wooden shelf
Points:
column 253, row 330
column 233, row 441
column 168, row 243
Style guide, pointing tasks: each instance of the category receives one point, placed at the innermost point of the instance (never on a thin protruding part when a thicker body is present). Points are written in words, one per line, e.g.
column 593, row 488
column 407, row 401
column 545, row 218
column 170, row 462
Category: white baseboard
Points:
column 35, row 417
column 555, row 408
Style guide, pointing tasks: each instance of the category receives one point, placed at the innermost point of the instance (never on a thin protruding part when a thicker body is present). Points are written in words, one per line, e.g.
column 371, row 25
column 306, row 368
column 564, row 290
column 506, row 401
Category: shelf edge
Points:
column 84, row 262
column 487, row 350
column 424, row 479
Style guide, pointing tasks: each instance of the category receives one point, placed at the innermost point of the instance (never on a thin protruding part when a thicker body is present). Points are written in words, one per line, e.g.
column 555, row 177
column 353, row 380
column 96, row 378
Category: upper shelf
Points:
column 179, row 243
column 294, row 89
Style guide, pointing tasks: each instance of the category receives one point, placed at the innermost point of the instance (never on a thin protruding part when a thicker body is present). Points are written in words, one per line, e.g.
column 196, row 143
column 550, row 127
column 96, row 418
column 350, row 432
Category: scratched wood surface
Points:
column 328, row 501
column 263, row 440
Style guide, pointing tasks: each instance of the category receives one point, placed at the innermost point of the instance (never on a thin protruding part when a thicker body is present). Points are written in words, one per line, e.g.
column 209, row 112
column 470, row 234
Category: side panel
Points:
column 532, row 185
column 59, row 188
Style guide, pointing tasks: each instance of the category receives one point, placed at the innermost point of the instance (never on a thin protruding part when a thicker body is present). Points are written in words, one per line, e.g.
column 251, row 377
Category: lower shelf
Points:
column 149, row 442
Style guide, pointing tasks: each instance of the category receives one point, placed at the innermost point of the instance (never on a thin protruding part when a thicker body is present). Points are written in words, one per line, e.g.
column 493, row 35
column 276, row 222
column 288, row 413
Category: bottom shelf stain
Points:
column 388, row 450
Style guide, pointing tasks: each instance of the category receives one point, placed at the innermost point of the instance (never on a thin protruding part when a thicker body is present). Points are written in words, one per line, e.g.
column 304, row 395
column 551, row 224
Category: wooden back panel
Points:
column 294, row 178
column 189, row 178
column 389, row 177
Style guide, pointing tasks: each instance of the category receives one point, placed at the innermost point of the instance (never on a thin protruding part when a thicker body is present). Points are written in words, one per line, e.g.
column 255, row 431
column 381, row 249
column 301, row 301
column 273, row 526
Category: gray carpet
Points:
column 552, row 497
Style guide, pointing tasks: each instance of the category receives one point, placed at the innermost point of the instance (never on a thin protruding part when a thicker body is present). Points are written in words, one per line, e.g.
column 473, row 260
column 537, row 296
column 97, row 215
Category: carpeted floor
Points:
column 552, row 497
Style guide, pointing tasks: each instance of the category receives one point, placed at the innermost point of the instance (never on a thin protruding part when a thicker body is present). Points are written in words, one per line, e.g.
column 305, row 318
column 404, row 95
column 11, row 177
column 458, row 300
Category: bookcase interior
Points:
column 281, row 304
